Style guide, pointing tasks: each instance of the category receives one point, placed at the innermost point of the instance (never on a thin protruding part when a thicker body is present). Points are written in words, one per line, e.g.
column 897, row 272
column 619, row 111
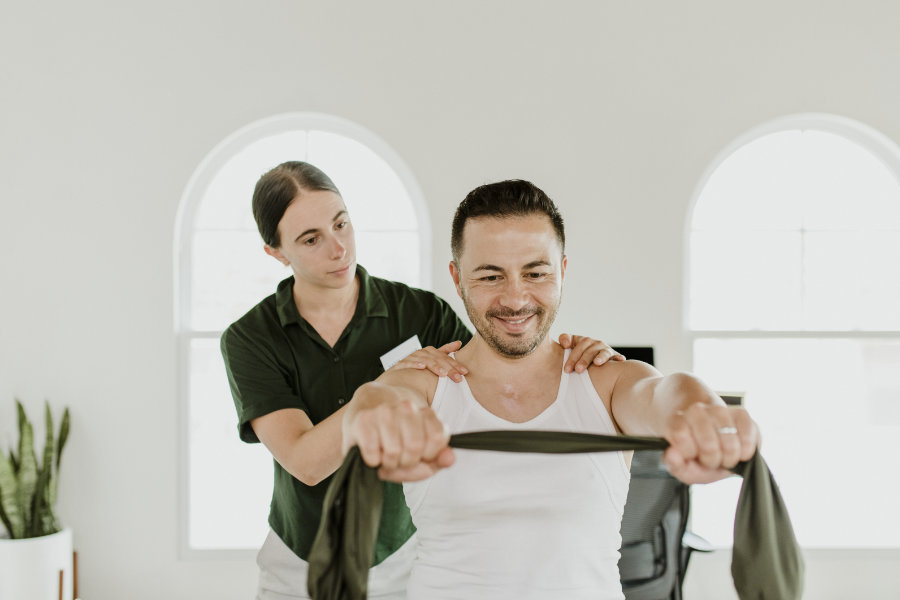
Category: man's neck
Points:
column 513, row 388
column 485, row 359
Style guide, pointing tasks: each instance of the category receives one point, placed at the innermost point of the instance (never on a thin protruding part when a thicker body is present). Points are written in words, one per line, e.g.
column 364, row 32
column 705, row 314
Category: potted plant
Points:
column 35, row 551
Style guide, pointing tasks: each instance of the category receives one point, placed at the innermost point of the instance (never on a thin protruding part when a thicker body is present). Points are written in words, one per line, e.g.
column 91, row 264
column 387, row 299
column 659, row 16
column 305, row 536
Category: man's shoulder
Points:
column 408, row 377
column 606, row 376
column 420, row 380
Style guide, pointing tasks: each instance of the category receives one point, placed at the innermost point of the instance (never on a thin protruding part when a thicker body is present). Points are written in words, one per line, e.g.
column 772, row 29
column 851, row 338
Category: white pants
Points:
column 282, row 574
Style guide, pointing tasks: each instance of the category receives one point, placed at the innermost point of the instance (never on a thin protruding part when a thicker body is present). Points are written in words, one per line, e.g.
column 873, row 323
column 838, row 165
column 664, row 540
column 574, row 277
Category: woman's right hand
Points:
column 436, row 360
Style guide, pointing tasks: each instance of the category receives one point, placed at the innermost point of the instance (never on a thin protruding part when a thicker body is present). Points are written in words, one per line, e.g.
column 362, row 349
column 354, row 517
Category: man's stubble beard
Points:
column 517, row 347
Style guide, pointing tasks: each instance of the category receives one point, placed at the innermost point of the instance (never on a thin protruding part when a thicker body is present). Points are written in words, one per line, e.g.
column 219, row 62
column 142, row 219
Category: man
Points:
column 500, row 525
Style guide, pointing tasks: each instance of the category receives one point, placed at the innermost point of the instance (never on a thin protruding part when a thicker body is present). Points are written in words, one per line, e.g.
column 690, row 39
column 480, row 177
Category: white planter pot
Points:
column 29, row 568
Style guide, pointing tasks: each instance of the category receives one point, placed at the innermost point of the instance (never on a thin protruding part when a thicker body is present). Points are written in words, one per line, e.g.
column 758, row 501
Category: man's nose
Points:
column 515, row 295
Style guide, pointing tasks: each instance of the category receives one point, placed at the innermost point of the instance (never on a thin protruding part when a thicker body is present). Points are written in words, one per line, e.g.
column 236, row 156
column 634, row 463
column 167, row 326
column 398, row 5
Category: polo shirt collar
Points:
column 371, row 302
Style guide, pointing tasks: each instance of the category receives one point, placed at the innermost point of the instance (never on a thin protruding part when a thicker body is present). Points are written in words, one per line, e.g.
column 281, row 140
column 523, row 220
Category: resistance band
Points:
column 766, row 562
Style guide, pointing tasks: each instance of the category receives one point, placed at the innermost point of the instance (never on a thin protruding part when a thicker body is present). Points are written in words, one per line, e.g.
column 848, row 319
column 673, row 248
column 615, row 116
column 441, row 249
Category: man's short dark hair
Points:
column 511, row 198
column 276, row 190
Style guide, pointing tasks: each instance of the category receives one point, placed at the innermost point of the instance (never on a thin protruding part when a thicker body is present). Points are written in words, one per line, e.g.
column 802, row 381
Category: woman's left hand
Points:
column 586, row 351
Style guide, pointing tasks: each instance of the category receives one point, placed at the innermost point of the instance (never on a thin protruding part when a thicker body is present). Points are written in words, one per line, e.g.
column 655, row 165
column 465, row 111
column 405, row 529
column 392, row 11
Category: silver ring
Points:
column 727, row 430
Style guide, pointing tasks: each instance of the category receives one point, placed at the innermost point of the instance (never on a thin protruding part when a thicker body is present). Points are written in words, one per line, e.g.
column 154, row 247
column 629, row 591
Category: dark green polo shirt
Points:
column 275, row 359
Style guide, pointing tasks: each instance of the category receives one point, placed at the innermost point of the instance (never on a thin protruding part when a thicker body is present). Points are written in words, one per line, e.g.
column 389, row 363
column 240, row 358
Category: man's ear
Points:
column 562, row 266
column 273, row 252
column 454, row 274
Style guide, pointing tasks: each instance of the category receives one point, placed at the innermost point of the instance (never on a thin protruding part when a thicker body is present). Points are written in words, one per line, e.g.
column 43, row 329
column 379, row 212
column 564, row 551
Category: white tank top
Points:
column 510, row 525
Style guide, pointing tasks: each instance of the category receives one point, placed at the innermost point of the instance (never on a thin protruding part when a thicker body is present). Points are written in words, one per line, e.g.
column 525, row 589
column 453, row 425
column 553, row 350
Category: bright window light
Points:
column 794, row 301
column 797, row 230
column 829, row 411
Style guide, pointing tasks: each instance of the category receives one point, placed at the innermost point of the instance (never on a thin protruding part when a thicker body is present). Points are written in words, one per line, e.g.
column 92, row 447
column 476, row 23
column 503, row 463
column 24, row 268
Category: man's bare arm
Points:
column 707, row 437
column 392, row 422
column 313, row 452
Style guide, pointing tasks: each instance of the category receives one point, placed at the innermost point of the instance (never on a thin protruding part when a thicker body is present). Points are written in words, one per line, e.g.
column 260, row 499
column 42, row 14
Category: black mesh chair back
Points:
column 654, row 557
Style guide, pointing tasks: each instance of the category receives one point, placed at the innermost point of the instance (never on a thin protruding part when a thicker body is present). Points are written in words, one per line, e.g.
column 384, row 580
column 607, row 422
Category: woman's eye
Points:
column 311, row 241
column 341, row 225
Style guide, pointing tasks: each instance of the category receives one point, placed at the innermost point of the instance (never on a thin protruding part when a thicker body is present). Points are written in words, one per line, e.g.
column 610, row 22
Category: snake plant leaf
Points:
column 20, row 412
column 61, row 442
column 52, row 495
column 28, row 489
column 49, row 445
column 42, row 515
column 9, row 508
column 45, row 520
column 33, row 527
column 63, row 436
column 22, row 419
column 48, row 435
column 13, row 459
column 27, row 475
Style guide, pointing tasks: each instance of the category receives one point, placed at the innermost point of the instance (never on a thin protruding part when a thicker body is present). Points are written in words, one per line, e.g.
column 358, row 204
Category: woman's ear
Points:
column 273, row 252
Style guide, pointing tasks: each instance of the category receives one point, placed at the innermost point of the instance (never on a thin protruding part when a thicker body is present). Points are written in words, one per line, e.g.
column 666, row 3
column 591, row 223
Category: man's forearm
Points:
column 396, row 430
column 677, row 392
column 375, row 393
column 310, row 454
column 706, row 438
column 658, row 399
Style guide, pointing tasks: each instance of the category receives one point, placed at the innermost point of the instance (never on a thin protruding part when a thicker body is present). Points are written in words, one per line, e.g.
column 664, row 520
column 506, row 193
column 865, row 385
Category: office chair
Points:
column 656, row 545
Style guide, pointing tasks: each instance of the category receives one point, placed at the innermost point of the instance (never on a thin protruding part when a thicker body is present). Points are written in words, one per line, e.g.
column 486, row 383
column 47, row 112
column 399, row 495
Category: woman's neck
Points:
column 328, row 310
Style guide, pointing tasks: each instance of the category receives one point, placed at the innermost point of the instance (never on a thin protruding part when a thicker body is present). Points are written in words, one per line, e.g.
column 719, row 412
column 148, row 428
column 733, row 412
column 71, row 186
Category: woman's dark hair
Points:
column 511, row 198
column 277, row 189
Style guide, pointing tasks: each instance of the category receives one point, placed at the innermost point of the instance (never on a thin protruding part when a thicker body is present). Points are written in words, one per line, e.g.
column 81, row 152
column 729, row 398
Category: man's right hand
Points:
column 400, row 435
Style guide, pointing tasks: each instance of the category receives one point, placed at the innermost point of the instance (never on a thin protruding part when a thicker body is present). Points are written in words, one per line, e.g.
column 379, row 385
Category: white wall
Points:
column 614, row 108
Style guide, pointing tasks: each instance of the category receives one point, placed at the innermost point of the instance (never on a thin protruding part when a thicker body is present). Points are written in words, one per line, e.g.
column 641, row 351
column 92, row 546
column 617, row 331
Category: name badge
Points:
column 392, row 357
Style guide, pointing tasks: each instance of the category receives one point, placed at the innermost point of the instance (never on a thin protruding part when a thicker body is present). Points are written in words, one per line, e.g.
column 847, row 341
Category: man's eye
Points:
column 311, row 241
column 490, row 278
column 536, row 275
column 341, row 225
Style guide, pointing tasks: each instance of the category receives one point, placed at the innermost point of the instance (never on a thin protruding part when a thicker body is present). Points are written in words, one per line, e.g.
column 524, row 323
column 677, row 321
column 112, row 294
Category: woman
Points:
column 295, row 359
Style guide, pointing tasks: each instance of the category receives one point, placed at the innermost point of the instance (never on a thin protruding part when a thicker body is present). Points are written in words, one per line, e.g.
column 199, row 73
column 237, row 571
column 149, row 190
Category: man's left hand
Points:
column 707, row 441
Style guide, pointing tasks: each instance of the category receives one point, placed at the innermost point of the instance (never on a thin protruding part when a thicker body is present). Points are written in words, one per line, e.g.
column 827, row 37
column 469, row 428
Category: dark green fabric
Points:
column 553, row 442
column 276, row 360
column 351, row 532
column 766, row 560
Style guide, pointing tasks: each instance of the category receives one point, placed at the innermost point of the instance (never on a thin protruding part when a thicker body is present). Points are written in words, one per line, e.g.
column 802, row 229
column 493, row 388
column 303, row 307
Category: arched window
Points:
column 222, row 271
column 794, row 301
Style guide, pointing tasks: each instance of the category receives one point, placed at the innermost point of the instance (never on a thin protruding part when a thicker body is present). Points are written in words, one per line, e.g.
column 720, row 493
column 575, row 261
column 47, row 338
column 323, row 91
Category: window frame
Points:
column 202, row 176
column 884, row 149
column 880, row 145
